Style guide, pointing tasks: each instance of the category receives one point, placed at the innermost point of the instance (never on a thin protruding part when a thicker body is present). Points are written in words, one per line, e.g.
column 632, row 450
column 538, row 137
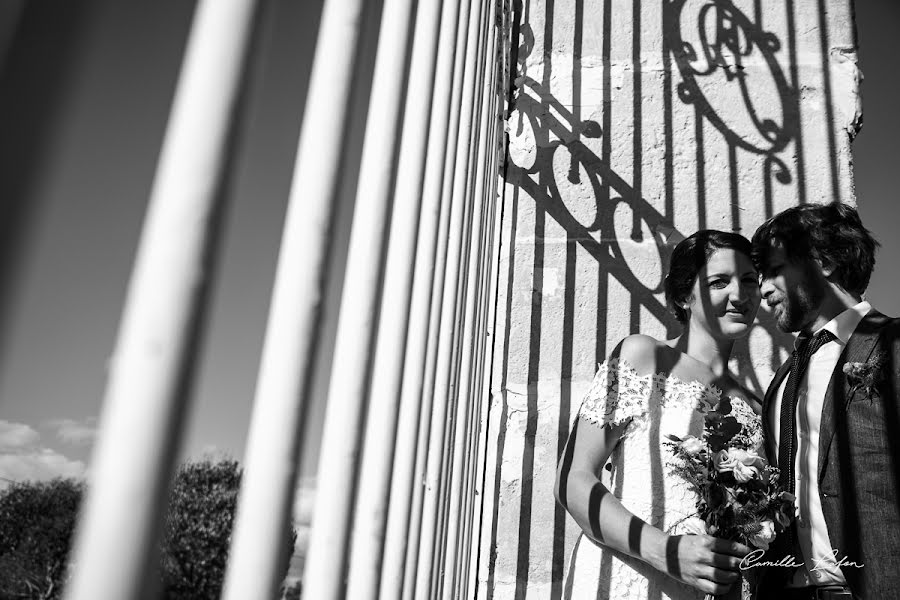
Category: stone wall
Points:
column 632, row 125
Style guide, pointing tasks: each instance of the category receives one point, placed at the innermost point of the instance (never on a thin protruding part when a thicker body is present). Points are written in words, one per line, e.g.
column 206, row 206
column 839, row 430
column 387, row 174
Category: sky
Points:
column 876, row 155
column 65, row 285
column 65, row 304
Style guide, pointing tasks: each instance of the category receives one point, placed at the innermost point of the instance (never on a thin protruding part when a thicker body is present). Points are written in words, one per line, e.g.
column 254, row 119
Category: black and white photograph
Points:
column 449, row 299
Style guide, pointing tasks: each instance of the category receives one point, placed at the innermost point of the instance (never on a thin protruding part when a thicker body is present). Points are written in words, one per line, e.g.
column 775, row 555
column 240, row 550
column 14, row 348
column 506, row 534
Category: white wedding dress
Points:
column 640, row 473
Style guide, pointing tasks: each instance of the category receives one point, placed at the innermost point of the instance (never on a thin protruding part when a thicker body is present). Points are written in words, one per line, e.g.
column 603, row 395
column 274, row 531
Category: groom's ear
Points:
column 826, row 268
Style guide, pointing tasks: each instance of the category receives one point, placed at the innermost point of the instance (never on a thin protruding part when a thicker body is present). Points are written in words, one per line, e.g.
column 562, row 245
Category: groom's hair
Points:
column 831, row 233
column 689, row 256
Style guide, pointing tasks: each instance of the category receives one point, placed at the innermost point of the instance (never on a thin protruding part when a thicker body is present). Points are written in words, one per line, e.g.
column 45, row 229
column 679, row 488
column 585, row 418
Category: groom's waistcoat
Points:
column 859, row 460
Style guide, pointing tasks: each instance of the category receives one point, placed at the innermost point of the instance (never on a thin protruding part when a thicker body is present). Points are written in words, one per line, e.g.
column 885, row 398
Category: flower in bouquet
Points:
column 739, row 496
column 692, row 446
column 744, row 465
column 738, row 493
column 765, row 536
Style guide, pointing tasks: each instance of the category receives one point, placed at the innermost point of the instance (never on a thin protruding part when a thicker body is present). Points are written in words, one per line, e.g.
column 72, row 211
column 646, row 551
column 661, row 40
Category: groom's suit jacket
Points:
column 859, row 465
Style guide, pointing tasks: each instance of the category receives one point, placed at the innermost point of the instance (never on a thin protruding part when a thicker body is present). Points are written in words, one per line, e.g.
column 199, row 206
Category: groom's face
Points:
column 793, row 289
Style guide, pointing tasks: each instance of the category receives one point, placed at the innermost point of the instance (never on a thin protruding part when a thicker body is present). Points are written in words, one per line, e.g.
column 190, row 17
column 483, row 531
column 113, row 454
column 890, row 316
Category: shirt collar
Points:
column 843, row 325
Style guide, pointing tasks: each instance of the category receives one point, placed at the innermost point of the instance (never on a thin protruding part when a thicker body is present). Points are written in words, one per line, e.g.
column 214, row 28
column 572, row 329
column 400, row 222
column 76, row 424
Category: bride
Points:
column 640, row 536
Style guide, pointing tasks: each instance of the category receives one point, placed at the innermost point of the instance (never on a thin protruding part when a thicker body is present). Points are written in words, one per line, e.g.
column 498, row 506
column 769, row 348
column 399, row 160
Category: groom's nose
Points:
column 766, row 287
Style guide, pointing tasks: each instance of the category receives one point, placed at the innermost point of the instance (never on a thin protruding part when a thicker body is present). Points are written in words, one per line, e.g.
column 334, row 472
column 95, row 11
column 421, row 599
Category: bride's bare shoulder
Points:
column 644, row 353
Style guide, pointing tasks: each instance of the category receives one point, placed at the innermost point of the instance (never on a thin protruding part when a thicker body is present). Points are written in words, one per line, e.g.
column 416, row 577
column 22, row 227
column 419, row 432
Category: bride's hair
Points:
column 689, row 257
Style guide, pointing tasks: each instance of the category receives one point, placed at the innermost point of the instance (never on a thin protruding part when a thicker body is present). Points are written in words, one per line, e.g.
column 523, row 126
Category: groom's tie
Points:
column 787, row 440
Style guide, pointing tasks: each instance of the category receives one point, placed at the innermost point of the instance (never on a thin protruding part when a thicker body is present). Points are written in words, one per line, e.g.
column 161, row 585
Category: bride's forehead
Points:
column 727, row 260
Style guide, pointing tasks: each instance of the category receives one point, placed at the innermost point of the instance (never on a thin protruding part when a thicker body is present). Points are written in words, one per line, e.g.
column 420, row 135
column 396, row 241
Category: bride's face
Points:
column 726, row 295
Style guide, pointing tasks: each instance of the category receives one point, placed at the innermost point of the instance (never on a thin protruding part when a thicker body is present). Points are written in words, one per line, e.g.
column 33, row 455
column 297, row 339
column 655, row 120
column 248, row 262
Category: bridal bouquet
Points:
column 739, row 495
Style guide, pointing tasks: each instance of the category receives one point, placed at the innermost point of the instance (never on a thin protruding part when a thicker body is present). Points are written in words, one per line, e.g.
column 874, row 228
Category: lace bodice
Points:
column 618, row 394
column 640, row 471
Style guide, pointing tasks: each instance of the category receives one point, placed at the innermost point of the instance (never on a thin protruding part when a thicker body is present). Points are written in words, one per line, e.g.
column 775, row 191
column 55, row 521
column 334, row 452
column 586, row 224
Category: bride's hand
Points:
column 707, row 563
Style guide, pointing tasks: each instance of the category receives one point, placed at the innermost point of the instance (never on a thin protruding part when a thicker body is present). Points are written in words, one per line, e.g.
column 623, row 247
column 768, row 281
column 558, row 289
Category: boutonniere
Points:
column 865, row 376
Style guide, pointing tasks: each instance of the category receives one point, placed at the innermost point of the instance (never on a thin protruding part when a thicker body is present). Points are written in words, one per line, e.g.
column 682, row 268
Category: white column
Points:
column 460, row 459
column 430, row 526
column 439, row 179
column 413, row 403
column 270, row 464
column 487, row 452
column 352, row 367
column 489, row 299
column 375, row 479
column 487, row 187
column 460, row 463
column 150, row 372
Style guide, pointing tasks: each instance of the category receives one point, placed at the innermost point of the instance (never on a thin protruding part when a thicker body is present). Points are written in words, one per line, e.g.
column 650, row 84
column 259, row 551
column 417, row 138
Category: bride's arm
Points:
column 709, row 564
column 598, row 512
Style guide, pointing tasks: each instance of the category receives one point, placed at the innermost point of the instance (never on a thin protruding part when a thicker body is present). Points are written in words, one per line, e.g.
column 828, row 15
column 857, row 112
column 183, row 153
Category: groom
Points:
column 831, row 415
